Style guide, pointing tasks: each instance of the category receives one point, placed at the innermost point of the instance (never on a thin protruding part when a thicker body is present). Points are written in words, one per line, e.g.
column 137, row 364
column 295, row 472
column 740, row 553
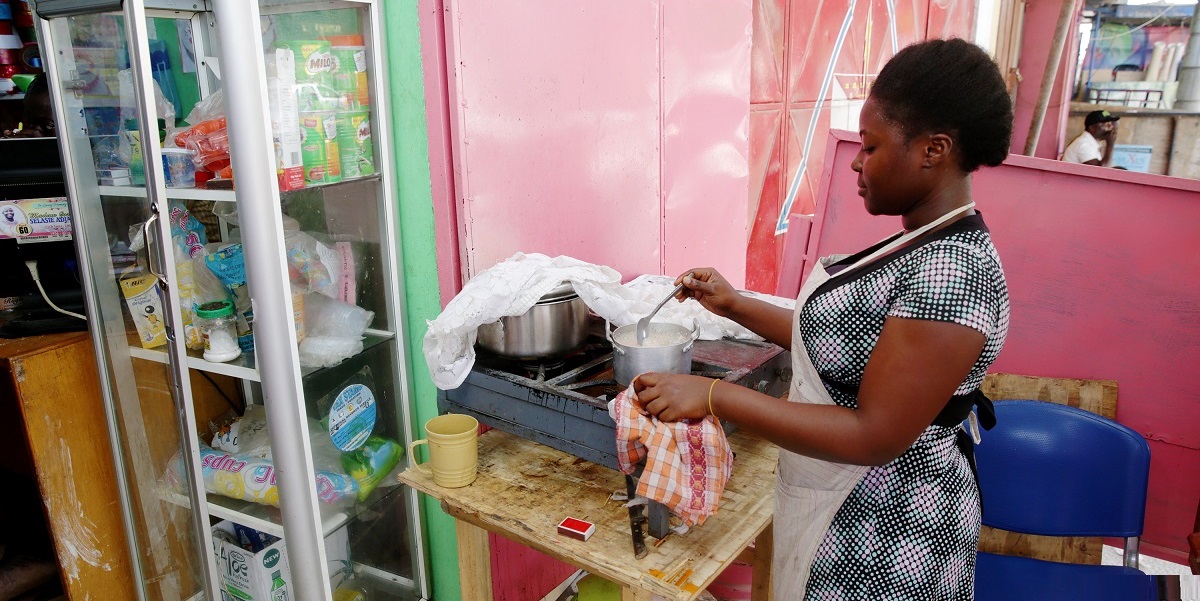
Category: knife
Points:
column 636, row 519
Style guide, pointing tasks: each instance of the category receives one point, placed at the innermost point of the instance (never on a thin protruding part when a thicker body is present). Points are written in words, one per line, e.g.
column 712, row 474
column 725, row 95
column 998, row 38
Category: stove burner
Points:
column 537, row 370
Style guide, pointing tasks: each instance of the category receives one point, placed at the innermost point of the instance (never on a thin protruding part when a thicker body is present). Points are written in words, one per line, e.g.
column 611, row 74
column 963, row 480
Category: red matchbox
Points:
column 576, row 528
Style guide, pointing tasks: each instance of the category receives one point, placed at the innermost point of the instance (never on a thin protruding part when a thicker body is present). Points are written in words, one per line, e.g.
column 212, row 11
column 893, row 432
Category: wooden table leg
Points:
column 764, row 545
column 634, row 594
column 474, row 561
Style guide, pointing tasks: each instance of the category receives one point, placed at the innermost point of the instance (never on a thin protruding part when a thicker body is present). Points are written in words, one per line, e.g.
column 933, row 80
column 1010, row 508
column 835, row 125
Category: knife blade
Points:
column 636, row 520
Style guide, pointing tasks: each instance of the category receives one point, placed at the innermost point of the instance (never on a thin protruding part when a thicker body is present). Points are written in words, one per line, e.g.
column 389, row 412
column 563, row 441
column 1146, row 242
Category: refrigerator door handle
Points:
column 150, row 248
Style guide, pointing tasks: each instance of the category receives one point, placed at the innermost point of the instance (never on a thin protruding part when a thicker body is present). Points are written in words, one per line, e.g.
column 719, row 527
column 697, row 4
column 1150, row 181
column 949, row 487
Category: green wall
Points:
column 418, row 245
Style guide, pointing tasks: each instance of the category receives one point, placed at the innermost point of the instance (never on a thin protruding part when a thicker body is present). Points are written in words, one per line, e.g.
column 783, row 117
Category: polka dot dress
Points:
column 909, row 529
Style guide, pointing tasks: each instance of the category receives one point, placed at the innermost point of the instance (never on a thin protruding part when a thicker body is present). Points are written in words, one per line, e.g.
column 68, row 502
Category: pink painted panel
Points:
column 800, row 119
column 766, row 122
column 556, row 130
column 794, row 266
column 950, row 19
column 1104, row 284
column 866, row 47
column 766, row 49
column 767, row 131
column 523, row 574
column 705, row 126
column 437, row 115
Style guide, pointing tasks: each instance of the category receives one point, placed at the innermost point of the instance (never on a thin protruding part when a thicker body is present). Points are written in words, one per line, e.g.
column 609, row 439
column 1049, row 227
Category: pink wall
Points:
column 1104, row 284
column 613, row 132
column 798, row 52
column 1041, row 16
column 437, row 115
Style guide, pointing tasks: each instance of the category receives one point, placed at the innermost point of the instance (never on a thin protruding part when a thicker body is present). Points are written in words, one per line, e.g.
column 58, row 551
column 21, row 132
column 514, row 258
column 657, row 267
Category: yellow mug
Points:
column 453, row 441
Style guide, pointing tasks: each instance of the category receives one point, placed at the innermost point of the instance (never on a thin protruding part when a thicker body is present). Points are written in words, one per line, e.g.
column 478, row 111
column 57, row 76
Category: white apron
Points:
column 808, row 491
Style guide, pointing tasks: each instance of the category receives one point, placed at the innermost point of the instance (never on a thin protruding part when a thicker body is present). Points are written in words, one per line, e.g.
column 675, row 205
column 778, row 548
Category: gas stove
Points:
column 563, row 402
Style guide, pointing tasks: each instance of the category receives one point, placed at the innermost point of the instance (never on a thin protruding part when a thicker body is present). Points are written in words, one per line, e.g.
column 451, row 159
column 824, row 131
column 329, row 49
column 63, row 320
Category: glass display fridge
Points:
column 231, row 181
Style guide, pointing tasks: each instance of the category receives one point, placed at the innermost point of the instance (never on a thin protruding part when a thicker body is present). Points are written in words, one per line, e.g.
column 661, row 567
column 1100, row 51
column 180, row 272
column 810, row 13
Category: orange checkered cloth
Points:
column 687, row 462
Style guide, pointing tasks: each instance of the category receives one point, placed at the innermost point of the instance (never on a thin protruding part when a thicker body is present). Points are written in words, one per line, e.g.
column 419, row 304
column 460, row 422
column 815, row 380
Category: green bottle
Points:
column 137, row 169
column 278, row 587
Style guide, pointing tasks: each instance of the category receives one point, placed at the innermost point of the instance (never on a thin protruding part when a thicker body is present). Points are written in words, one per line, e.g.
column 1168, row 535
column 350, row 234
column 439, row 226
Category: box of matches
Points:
column 576, row 528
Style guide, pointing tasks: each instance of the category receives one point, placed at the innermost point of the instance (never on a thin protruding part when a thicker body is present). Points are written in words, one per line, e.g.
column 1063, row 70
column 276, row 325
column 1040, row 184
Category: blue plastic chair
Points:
column 1055, row 470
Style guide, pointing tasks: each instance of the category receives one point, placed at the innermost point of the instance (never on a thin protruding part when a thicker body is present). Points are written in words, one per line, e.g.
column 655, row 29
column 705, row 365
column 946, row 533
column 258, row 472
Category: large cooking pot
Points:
column 667, row 349
column 555, row 325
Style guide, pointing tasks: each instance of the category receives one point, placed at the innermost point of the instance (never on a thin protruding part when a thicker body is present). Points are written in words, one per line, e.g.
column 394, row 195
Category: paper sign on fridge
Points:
column 35, row 220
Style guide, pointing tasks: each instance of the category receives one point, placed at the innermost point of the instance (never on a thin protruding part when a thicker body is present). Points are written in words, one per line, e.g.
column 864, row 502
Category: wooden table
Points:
column 525, row 489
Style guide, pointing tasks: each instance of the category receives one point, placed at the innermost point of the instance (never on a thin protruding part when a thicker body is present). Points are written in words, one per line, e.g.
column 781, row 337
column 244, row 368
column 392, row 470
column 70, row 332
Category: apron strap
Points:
column 957, row 410
column 967, row 446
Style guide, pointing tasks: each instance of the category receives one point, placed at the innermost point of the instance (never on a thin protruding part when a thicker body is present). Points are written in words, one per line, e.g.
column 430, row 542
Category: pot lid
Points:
column 560, row 292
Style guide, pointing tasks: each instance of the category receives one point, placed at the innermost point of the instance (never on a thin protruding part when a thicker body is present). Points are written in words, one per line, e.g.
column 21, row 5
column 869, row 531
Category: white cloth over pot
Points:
column 514, row 285
column 510, row 287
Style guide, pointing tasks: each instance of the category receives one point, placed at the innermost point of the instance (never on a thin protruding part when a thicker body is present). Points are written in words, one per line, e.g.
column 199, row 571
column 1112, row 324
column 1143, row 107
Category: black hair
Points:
column 952, row 87
column 39, row 85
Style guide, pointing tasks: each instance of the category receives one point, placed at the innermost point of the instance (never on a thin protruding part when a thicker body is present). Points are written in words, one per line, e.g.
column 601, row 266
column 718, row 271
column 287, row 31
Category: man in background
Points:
column 38, row 118
column 1095, row 145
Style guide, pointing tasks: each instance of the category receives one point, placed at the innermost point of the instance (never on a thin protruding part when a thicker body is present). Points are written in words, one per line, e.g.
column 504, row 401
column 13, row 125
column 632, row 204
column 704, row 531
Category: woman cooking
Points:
column 876, row 496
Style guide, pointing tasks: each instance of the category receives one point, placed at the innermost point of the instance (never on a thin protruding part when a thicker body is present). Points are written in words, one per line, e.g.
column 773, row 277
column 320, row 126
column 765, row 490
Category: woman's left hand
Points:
column 673, row 397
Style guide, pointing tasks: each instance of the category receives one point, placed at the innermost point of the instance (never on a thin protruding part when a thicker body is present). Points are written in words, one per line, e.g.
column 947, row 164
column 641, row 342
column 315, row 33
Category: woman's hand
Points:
column 709, row 288
column 673, row 397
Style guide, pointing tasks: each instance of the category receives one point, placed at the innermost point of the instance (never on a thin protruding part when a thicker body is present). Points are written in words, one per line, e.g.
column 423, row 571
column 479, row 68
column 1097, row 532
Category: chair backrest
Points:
column 1056, row 470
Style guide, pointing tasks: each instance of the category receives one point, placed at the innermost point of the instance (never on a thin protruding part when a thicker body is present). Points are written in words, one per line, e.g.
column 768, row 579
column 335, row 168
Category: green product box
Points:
column 250, row 576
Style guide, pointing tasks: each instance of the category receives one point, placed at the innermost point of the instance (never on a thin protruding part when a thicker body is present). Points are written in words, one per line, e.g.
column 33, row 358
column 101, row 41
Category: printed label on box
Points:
column 247, row 575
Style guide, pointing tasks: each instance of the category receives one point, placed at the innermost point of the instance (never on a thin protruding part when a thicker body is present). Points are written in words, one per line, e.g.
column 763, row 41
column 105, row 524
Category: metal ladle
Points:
column 643, row 324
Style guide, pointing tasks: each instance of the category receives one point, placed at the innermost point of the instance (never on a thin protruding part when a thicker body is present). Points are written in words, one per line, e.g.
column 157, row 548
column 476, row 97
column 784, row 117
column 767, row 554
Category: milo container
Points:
column 349, row 74
column 355, row 148
column 314, row 67
column 319, row 147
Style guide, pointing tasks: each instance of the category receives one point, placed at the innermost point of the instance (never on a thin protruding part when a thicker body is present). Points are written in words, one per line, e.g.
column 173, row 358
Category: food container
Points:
column 179, row 167
column 355, row 149
column 219, row 328
column 555, row 325
column 319, row 148
column 667, row 349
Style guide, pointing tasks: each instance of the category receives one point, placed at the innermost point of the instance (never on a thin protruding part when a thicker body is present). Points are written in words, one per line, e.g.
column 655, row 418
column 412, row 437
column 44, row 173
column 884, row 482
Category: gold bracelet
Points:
column 710, row 389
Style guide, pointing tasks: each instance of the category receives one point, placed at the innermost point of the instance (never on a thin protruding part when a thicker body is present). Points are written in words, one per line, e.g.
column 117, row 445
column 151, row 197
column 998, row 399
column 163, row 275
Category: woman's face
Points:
column 892, row 173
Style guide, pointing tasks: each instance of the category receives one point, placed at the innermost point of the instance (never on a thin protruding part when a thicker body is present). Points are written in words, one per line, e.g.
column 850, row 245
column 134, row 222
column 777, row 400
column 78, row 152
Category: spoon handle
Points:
column 669, row 297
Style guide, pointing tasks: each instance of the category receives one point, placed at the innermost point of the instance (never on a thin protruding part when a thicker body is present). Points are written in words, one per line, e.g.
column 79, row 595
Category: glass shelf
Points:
column 243, row 367
column 218, row 195
column 266, row 518
column 173, row 193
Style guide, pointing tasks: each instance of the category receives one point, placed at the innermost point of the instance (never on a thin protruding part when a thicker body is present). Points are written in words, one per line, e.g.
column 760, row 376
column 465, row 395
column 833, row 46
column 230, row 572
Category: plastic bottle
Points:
column 137, row 168
column 278, row 587
column 218, row 325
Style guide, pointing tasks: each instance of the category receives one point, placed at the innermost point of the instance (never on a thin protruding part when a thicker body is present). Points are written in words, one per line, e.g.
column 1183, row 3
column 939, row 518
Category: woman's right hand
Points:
column 709, row 288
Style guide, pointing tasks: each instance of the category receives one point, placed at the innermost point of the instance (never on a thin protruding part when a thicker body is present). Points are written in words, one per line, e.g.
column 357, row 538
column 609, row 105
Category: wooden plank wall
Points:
column 1097, row 396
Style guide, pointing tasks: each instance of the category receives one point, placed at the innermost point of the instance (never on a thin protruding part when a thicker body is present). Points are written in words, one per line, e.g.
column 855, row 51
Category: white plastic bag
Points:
column 163, row 107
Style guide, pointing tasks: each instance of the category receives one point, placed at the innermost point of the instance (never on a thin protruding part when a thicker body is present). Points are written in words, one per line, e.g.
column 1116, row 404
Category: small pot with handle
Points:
column 553, row 326
column 667, row 349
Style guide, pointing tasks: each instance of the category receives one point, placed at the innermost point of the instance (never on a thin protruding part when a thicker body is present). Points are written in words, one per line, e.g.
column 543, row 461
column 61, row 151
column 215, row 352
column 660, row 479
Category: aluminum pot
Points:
column 667, row 349
column 555, row 325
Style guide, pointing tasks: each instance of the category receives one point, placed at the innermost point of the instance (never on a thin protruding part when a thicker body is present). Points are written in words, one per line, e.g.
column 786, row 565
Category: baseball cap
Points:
column 1095, row 117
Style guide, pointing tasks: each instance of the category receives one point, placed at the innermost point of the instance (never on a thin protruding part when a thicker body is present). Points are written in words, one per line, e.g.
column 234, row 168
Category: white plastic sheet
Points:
column 514, row 285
